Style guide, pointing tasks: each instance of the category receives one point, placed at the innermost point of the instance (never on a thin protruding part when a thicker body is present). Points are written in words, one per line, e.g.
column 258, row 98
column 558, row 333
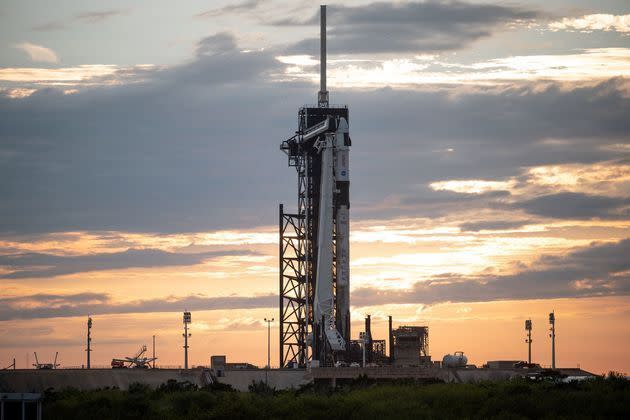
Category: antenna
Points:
column 322, row 97
column 55, row 362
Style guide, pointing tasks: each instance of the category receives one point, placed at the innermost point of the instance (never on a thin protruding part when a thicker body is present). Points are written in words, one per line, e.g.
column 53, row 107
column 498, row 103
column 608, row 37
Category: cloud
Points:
column 38, row 265
column 595, row 22
column 219, row 61
column 38, row 53
column 53, row 306
column 569, row 205
column 50, row 26
column 93, row 16
column 409, row 27
column 492, row 225
column 424, row 71
column 593, row 271
column 472, row 186
column 195, row 147
column 79, row 76
column 219, row 43
column 245, row 6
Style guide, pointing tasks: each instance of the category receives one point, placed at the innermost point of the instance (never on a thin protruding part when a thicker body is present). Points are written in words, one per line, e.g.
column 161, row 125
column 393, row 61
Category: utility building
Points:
column 411, row 346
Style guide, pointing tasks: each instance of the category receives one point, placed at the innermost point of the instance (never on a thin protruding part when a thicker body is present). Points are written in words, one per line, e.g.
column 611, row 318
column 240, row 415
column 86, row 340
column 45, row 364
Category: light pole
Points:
column 89, row 341
column 268, row 321
column 552, row 322
column 153, row 351
column 187, row 320
column 528, row 340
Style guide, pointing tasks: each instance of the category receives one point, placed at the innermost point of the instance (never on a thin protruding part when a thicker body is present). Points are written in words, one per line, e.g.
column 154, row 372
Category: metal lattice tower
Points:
column 319, row 153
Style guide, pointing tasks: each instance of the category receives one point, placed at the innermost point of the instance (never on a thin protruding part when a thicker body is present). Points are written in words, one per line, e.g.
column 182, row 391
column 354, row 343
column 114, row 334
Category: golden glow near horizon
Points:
column 135, row 284
column 393, row 255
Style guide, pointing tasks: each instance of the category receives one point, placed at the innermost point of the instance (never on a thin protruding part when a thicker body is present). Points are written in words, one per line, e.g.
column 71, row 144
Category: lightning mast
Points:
column 322, row 96
column 314, row 242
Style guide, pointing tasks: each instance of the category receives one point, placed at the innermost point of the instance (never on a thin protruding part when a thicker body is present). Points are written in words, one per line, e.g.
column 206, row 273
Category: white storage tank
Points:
column 457, row 360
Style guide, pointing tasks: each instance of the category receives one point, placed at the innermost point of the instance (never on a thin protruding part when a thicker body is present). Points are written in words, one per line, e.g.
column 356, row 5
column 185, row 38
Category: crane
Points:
column 138, row 360
column 52, row 365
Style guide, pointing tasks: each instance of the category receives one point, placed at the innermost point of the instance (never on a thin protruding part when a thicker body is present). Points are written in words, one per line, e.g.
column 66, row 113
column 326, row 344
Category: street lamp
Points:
column 268, row 321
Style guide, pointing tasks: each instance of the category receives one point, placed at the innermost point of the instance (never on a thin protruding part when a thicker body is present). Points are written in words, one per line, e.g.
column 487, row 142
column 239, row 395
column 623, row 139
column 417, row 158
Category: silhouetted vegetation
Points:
column 597, row 398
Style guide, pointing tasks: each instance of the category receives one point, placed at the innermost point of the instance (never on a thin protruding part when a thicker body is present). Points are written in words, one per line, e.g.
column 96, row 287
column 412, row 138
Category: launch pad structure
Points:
column 314, row 249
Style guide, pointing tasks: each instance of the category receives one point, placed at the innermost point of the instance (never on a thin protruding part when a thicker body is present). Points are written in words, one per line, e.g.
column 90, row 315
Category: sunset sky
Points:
column 140, row 173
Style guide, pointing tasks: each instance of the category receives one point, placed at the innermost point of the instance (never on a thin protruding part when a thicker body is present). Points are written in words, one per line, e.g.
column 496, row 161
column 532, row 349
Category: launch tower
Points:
column 314, row 241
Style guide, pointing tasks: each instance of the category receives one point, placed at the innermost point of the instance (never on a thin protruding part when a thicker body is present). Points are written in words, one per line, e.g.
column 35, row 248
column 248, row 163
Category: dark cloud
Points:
column 53, row 299
column 245, row 6
column 218, row 43
column 99, row 15
column 37, row 265
column 219, row 61
column 570, row 205
column 40, row 306
column 50, row 26
column 491, row 225
column 597, row 270
column 92, row 16
column 408, row 27
column 195, row 147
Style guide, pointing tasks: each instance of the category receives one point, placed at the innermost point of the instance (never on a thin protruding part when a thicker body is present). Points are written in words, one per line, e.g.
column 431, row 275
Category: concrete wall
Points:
column 477, row 375
column 30, row 380
column 278, row 378
column 387, row 373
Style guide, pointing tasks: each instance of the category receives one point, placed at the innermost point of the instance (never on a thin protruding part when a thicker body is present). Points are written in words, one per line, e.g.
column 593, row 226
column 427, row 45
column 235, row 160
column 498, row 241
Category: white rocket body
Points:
column 324, row 301
column 342, row 178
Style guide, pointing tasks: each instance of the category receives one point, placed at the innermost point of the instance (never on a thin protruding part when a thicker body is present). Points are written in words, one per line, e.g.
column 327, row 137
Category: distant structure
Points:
column 137, row 361
column 366, row 349
column 88, row 350
column 390, row 339
column 411, row 346
column 552, row 322
column 528, row 340
column 46, row 366
column 314, row 245
column 11, row 366
column 187, row 320
column 456, row 360
column 154, row 358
